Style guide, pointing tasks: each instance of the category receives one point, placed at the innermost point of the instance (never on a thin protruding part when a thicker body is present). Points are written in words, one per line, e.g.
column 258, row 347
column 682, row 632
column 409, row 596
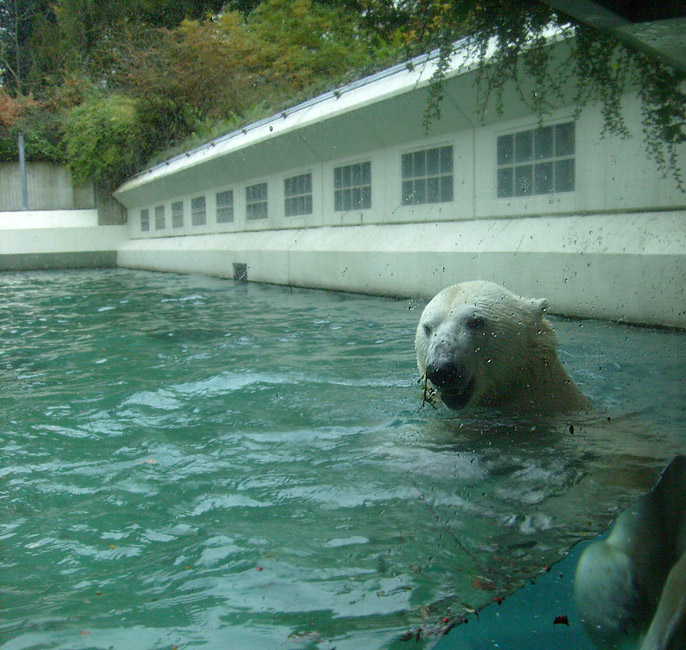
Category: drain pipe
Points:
column 22, row 172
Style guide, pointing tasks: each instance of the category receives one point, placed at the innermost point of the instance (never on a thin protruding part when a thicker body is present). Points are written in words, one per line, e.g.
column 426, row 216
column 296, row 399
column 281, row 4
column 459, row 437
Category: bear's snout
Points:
column 443, row 373
column 454, row 384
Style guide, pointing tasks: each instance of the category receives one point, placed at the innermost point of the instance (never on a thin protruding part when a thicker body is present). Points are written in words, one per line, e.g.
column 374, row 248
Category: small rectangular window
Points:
column 536, row 161
column 145, row 220
column 256, row 202
column 225, row 206
column 297, row 192
column 159, row 217
column 427, row 176
column 198, row 211
column 353, row 187
column 177, row 214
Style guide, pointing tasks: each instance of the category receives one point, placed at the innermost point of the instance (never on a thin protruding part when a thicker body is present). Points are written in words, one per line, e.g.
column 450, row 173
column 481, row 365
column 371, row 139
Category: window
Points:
column 159, row 217
column 427, row 176
column 225, row 206
column 145, row 220
column 198, row 211
column 538, row 161
column 177, row 214
column 298, row 195
column 256, row 201
column 353, row 187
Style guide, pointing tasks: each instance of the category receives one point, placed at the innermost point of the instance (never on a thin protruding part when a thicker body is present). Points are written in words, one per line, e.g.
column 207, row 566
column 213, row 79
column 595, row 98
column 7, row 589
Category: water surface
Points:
column 195, row 463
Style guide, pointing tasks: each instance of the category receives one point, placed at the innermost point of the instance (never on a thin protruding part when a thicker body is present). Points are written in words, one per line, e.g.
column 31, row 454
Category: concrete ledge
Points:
column 30, row 219
column 627, row 267
column 54, row 261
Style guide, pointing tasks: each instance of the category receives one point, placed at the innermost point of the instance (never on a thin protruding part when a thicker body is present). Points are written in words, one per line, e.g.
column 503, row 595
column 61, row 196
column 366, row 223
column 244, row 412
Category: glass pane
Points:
column 366, row 173
column 505, row 177
column 446, row 160
column 347, row 175
column 446, row 188
column 357, row 197
column 564, row 139
column 338, row 177
column 357, row 175
column 407, row 193
column 543, row 178
column 308, row 204
column 505, row 149
column 523, row 146
column 420, row 191
column 523, row 180
column 543, row 142
column 366, row 197
column 347, row 199
column 432, row 190
column 564, row 175
column 432, row 162
column 406, row 164
column 338, row 200
column 419, row 163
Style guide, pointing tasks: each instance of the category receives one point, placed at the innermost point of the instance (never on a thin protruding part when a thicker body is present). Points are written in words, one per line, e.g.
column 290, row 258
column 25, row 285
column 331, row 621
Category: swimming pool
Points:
column 196, row 463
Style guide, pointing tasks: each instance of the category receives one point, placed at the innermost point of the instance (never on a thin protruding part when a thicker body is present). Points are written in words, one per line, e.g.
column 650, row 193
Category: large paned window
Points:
column 427, row 176
column 537, row 161
column 225, row 206
column 177, row 214
column 297, row 192
column 145, row 220
column 353, row 187
column 198, row 211
column 256, row 202
column 159, row 217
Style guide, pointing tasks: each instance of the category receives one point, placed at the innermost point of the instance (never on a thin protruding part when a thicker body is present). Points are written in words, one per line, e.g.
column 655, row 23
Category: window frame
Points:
column 177, row 216
column 225, row 213
column 257, row 207
column 145, row 219
column 350, row 181
column 421, row 185
column 196, row 219
column 527, row 165
column 300, row 197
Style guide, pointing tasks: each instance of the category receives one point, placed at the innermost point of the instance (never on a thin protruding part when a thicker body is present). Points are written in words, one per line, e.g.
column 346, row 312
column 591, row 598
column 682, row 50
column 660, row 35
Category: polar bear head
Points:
column 477, row 343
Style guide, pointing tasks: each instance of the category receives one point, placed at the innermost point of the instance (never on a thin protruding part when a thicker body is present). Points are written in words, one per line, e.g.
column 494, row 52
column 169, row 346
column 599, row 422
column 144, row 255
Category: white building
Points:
column 349, row 192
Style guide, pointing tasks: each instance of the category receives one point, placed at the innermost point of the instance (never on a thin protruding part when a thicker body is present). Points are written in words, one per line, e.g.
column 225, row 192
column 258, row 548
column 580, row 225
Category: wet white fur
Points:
column 514, row 361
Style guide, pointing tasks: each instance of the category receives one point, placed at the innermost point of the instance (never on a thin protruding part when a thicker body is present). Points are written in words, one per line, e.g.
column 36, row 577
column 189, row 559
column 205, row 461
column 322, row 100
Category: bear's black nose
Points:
column 443, row 374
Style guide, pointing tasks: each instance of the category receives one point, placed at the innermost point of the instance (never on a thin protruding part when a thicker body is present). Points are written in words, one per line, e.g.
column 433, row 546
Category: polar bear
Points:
column 631, row 587
column 479, row 344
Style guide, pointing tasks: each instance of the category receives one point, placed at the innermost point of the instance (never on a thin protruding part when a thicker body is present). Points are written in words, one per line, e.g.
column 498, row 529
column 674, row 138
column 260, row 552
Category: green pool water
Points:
column 187, row 462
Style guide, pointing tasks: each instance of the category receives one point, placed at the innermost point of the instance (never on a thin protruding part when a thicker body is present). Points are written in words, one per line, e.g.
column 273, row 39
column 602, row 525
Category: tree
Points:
column 16, row 20
column 598, row 66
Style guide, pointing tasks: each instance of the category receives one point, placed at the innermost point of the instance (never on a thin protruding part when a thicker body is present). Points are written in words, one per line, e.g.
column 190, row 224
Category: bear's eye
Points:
column 428, row 329
column 476, row 323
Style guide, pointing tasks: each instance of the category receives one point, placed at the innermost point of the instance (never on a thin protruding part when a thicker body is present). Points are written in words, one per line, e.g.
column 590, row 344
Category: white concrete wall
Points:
column 57, row 239
column 627, row 267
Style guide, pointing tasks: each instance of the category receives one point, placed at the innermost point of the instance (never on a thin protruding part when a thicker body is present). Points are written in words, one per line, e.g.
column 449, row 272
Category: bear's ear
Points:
column 538, row 307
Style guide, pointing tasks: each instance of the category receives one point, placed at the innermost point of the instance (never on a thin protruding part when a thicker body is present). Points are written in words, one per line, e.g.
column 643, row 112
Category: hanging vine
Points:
column 511, row 39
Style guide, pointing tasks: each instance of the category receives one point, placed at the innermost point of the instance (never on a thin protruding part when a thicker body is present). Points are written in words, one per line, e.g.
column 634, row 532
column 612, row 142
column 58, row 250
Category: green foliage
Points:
column 39, row 127
column 105, row 140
